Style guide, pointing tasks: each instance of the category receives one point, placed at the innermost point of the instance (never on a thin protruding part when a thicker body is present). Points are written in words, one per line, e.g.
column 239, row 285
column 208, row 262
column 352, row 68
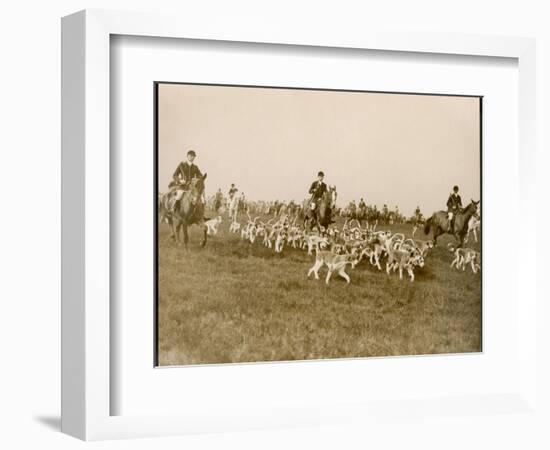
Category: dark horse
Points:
column 189, row 210
column 321, row 218
column 439, row 223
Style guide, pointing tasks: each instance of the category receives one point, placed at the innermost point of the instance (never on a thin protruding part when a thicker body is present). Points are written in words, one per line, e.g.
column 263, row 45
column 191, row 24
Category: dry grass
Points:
column 238, row 302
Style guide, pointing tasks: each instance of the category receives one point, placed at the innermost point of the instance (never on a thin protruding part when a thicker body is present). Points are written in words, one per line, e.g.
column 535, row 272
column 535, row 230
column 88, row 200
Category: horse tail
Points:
column 427, row 226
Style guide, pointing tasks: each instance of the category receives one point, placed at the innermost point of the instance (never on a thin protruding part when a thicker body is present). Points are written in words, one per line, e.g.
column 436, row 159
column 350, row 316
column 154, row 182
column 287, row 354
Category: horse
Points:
column 217, row 202
column 321, row 217
column 233, row 208
column 362, row 215
column 439, row 223
column 189, row 210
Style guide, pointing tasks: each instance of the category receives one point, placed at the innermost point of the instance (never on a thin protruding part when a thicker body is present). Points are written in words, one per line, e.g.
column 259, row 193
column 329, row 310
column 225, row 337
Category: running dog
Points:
column 404, row 259
column 424, row 246
column 465, row 256
column 280, row 241
column 314, row 241
column 373, row 253
column 234, row 227
column 212, row 225
column 334, row 263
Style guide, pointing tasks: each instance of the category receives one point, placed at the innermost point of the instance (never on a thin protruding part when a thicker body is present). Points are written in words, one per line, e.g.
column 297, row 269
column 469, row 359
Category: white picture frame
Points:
column 86, row 246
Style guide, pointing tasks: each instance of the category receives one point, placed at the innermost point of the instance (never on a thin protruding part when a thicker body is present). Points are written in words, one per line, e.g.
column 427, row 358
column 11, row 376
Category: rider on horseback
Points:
column 386, row 213
column 317, row 190
column 454, row 206
column 218, row 199
column 232, row 191
column 417, row 218
column 185, row 172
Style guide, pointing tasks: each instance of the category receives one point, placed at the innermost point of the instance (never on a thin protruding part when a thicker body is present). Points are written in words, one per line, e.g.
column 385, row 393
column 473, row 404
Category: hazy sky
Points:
column 397, row 149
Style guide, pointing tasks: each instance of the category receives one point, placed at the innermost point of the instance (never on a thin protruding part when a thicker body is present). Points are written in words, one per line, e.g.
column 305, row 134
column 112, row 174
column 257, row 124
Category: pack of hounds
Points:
column 339, row 248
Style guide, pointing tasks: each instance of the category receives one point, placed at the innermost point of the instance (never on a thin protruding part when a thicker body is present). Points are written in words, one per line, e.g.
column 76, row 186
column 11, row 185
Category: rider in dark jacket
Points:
column 186, row 171
column 181, row 179
column 454, row 206
column 317, row 190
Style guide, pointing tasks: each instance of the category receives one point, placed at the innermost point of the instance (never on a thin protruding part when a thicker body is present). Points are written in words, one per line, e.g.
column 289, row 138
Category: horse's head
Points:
column 196, row 188
column 197, row 185
column 472, row 207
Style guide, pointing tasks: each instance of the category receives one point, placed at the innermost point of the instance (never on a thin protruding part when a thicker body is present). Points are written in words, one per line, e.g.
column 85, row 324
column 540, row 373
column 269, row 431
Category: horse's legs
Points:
column 205, row 229
column 170, row 223
column 185, row 236
column 436, row 234
column 175, row 234
column 178, row 231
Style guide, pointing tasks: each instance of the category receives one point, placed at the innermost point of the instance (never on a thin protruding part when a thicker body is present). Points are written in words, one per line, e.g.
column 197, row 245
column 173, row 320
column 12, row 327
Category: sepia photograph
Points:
column 301, row 224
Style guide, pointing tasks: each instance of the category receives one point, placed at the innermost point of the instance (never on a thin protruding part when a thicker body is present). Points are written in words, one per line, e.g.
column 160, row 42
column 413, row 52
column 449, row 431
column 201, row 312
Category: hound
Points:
column 465, row 256
column 403, row 259
column 234, row 227
column 393, row 242
column 294, row 236
column 334, row 263
column 373, row 253
column 376, row 245
column 314, row 241
column 474, row 258
column 271, row 236
column 423, row 246
column 260, row 230
column 280, row 241
column 245, row 231
column 212, row 225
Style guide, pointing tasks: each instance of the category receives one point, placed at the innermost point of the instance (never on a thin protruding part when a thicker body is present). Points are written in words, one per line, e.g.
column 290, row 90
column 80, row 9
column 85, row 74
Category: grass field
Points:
column 239, row 302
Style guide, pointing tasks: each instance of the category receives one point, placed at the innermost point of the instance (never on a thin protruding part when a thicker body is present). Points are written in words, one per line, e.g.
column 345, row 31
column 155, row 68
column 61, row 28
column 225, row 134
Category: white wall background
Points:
column 30, row 222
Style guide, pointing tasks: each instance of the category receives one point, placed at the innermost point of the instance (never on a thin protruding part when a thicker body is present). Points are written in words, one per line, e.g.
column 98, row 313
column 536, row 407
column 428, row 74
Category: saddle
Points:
column 177, row 190
column 451, row 222
column 174, row 185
